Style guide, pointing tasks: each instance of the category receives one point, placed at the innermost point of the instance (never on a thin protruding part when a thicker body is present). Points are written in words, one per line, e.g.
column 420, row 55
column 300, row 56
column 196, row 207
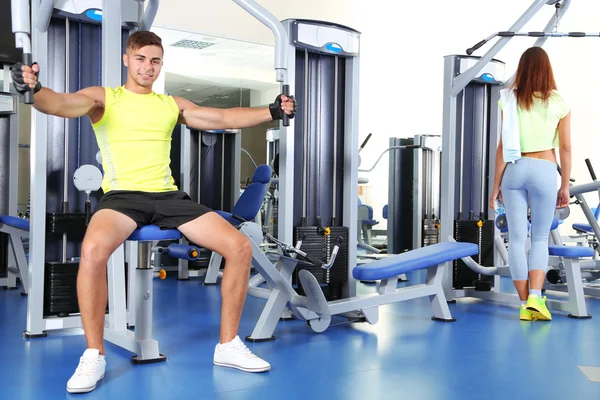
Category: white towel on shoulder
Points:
column 511, row 135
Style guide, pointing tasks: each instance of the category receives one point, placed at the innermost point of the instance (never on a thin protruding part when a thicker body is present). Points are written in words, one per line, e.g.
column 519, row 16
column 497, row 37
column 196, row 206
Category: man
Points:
column 133, row 127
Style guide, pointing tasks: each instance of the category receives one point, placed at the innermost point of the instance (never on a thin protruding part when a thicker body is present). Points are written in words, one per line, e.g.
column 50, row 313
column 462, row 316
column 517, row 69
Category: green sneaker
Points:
column 538, row 308
column 525, row 314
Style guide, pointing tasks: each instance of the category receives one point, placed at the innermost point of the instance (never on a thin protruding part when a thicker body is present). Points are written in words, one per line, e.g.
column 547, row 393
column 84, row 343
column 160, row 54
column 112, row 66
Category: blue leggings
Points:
column 534, row 180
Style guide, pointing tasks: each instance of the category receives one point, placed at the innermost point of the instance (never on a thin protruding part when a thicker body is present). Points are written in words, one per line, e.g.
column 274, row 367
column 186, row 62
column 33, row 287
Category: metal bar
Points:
column 305, row 137
column 462, row 80
column 111, row 50
column 38, row 171
column 540, row 42
column 350, row 191
column 335, row 133
column 281, row 37
column 149, row 15
column 65, row 205
column 418, row 185
column 448, row 168
column 44, row 14
column 484, row 160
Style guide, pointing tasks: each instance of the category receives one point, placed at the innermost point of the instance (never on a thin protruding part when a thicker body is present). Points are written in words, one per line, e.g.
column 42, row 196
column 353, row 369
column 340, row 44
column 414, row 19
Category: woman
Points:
column 543, row 123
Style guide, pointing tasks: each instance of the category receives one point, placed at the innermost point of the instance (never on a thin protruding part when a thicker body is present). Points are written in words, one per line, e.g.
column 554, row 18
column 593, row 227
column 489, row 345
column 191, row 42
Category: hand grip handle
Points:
column 471, row 50
column 27, row 60
column 286, row 118
column 364, row 143
column 590, row 168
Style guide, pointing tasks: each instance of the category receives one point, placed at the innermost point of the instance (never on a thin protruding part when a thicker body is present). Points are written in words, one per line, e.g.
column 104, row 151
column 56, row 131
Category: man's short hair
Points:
column 141, row 39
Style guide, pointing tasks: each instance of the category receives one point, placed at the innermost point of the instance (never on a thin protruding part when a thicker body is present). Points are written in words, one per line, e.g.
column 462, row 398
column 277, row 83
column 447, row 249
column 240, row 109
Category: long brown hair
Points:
column 534, row 77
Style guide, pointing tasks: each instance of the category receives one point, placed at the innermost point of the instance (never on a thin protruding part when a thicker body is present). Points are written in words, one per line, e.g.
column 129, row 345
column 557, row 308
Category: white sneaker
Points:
column 89, row 371
column 235, row 354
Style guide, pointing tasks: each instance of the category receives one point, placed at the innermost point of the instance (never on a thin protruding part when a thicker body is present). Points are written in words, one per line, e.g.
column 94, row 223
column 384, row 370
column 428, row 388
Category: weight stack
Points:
column 60, row 279
column 60, row 289
column 320, row 247
column 431, row 233
column 3, row 255
column 468, row 231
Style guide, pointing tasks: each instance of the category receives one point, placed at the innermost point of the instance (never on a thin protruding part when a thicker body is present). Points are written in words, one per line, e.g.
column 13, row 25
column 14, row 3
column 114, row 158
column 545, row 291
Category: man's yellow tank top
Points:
column 134, row 136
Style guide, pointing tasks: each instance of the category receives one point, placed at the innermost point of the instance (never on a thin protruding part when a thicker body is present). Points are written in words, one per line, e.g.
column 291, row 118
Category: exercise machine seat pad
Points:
column 570, row 251
column 583, row 227
column 262, row 174
column 385, row 212
column 421, row 258
column 153, row 232
column 14, row 221
column 249, row 203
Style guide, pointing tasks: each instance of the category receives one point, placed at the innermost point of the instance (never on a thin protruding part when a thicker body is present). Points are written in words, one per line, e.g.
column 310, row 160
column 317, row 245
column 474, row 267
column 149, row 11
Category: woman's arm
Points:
column 564, row 150
column 499, row 173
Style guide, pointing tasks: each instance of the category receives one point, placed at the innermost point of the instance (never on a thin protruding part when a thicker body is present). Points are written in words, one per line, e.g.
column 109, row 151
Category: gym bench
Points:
column 314, row 308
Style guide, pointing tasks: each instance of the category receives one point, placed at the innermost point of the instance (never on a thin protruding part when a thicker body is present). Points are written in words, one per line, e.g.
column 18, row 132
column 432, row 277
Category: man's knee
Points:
column 240, row 249
column 94, row 255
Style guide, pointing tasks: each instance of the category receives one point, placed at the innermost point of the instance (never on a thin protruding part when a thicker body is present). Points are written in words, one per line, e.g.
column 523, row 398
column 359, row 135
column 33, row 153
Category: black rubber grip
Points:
column 88, row 212
column 590, row 168
column 477, row 46
column 536, row 34
column 576, row 34
column 366, row 141
column 286, row 118
column 313, row 261
column 506, row 34
column 28, row 60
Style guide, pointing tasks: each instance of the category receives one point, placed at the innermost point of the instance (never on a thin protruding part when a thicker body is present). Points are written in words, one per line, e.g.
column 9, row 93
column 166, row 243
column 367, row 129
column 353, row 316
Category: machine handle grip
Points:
column 590, row 168
column 286, row 91
column 88, row 211
column 471, row 50
column 365, row 142
column 28, row 60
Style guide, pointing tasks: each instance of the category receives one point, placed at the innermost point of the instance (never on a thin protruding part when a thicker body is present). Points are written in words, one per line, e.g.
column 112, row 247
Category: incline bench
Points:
column 315, row 309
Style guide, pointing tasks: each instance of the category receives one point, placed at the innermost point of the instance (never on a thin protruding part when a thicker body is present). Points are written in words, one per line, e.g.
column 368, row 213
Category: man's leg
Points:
column 107, row 230
column 214, row 233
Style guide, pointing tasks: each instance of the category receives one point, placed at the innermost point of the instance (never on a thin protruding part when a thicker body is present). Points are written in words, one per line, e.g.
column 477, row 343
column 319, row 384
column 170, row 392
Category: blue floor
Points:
column 487, row 354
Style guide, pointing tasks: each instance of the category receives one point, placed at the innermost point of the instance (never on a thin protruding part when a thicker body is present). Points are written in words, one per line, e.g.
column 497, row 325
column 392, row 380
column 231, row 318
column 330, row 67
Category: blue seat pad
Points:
column 570, row 251
column 15, row 221
column 583, row 227
column 424, row 257
column 153, row 232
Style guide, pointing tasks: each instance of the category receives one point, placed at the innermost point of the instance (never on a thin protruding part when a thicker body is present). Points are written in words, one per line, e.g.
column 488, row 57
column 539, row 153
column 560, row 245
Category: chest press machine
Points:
column 318, row 164
column 58, row 32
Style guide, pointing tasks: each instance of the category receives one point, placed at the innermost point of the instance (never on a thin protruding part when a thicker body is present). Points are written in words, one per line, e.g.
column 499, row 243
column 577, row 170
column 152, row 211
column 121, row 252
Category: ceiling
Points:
column 214, row 71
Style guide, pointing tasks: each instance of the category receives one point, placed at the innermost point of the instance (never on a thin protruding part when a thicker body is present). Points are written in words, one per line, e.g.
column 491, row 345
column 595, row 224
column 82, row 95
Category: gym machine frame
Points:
column 455, row 82
column 41, row 13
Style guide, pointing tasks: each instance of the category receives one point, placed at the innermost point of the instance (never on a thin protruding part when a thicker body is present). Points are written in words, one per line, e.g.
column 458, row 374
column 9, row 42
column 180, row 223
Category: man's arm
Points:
column 89, row 101
column 206, row 118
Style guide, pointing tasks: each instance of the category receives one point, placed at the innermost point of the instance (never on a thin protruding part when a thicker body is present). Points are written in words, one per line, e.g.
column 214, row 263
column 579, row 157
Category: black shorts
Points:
column 167, row 210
